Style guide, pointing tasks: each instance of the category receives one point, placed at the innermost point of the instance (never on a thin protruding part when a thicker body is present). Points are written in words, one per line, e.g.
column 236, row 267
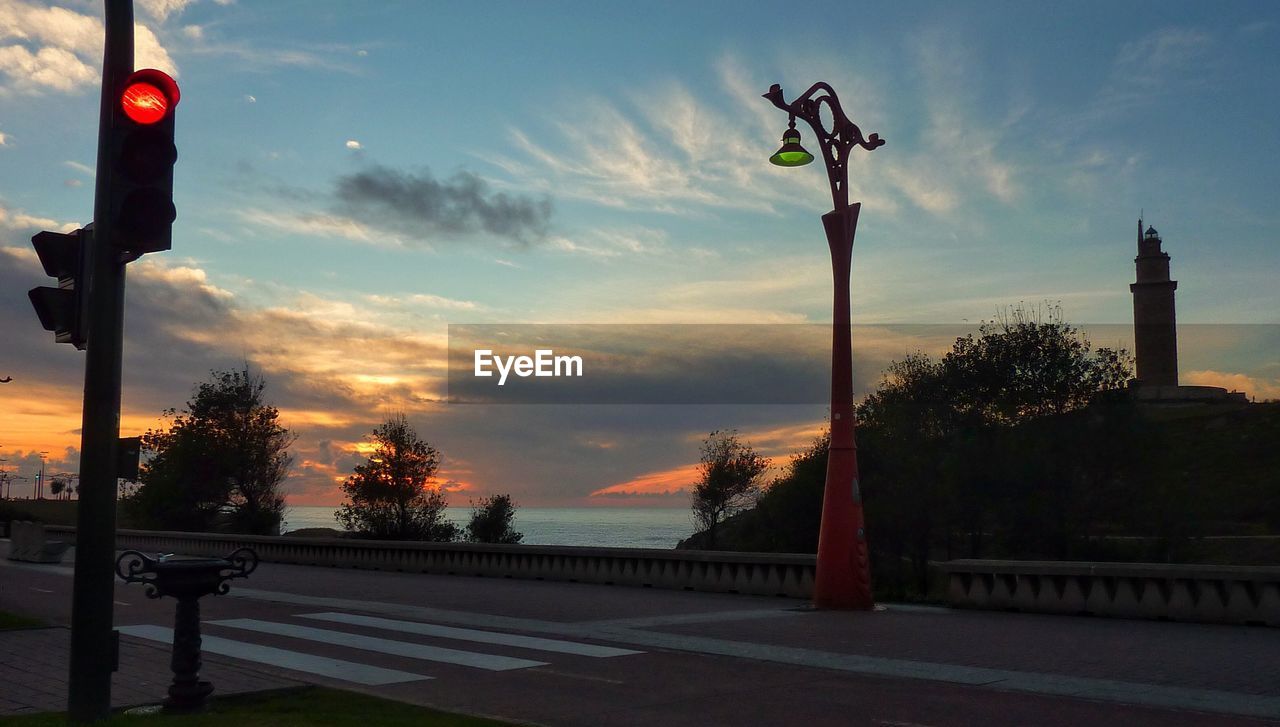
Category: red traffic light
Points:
column 148, row 96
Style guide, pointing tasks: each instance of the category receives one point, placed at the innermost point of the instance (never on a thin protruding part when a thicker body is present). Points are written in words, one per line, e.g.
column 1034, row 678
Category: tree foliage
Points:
column 393, row 495
column 221, row 461
column 729, row 481
column 1012, row 444
column 492, row 521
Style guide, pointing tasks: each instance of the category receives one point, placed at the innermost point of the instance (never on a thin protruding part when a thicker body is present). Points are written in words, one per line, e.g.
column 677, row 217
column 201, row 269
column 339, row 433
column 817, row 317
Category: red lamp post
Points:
column 843, row 578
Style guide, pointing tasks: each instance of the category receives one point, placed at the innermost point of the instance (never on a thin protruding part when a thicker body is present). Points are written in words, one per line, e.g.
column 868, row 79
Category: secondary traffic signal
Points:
column 128, row 454
column 142, row 157
column 64, row 309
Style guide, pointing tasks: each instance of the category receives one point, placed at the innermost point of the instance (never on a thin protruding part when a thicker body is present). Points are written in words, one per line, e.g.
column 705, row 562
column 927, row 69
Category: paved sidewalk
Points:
column 33, row 673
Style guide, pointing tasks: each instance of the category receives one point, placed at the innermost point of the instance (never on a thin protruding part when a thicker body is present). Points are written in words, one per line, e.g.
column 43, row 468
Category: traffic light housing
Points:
column 142, row 155
column 128, row 454
column 64, row 309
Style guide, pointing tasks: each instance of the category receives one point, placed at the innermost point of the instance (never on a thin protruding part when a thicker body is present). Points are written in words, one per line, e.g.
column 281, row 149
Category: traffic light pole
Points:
column 93, row 645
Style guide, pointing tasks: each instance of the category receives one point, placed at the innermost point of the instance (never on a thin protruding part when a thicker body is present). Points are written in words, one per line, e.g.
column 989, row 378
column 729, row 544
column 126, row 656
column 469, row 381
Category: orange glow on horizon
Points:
column 675, row 481
column 1254, row 388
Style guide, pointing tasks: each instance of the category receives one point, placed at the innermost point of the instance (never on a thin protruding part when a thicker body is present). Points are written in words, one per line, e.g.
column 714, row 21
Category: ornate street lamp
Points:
column 843, row 578
column 186, row 579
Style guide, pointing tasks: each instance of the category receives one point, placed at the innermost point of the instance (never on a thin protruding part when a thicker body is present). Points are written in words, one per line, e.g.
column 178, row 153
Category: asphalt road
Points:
column 575, row 654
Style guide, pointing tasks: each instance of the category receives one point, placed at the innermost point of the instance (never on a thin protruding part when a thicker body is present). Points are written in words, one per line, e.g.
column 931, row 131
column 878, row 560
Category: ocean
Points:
column 614, row 527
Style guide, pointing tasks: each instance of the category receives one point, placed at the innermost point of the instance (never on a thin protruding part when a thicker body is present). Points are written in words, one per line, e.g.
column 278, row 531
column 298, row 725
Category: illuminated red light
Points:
column 144, row 103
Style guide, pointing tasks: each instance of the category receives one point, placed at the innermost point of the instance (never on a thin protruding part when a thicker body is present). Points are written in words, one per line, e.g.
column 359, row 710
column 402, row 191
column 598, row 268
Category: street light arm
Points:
column 836, row 143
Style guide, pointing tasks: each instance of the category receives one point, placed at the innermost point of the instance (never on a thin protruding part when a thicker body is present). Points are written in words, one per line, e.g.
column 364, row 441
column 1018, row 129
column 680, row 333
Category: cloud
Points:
column 676, row 481
column 331, row 366
column 665, row 151
column 254, row 59
column 249, row 98
column 4, row 139
column 958, row 154
column 57, row 49
column 1255, row 387
column 423, row 299
column 194, row 32
column 48, row 68
column 1160, row 56
column 24, row 223
column 162, row 9
column 353, row 144
column 612, row 242
column 84, row 169
column 1156, row 64
column 324, row 225
column 461, row 206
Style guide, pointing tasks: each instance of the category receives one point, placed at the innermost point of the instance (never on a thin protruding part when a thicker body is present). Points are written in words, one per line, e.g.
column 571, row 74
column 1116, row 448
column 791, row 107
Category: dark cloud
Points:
column 672, row 364
column 559, row 454
column 461, row 205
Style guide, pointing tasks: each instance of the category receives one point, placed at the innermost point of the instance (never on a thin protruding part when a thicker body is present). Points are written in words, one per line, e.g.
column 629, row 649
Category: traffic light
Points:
column 64, row 309
column 128, row 453
column 142, row 154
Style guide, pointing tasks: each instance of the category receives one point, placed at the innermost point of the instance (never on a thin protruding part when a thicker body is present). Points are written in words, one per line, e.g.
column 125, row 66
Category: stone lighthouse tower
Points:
column 1154, row 332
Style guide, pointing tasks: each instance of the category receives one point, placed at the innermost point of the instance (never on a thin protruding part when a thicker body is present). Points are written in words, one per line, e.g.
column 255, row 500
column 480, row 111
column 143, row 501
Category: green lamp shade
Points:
column 791, row 154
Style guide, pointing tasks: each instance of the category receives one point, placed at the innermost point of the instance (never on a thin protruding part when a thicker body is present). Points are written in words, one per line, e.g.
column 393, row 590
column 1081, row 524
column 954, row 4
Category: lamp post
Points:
column 39, row 494
column 843, row 578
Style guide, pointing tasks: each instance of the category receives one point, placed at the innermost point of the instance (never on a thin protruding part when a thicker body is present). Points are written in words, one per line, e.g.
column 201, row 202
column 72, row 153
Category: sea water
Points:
column 614, row 527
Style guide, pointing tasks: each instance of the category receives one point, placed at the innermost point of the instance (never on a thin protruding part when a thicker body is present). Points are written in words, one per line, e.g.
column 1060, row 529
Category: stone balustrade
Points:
column 1204, row 593
column 766, row 574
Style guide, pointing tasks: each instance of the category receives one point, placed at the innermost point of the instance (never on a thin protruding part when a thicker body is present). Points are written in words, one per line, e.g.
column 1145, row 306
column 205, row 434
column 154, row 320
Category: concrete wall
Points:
column 1210, row 594
column 766, row 574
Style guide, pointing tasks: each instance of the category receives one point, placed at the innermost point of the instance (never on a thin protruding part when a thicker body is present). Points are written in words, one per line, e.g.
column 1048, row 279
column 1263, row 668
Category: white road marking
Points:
column 490, row 662
column 121, row 603
column 40, row 590
column 483, row 637
column 1124, row 692
column 324, row 666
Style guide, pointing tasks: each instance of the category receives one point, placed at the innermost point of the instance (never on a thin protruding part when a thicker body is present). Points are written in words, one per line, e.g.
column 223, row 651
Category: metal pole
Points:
column 92, row 640
column 843, row 577
column 39, row 495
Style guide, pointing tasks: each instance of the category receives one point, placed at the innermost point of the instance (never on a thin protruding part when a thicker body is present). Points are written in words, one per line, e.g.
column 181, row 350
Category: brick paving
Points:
column 33, row 673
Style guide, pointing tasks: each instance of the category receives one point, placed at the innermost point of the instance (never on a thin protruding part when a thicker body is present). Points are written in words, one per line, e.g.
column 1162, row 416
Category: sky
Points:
column 354, row 178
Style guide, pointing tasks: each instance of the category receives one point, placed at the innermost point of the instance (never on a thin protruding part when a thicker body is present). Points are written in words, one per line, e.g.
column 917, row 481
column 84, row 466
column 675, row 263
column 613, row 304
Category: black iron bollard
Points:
column 187, row 579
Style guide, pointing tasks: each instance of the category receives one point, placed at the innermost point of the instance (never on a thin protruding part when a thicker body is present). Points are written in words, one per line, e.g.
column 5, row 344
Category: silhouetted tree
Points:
column 730, row 472
column 393, row 496
column 226, row 454
column 492, row 521
column 1027, row 364
column 790, row 508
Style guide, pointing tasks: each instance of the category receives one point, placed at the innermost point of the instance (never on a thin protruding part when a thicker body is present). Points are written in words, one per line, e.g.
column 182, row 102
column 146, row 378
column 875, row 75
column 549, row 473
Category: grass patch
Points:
column 285, row 708
column 13, row 621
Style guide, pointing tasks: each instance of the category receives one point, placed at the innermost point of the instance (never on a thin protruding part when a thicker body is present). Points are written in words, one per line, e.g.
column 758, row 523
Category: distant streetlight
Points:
column 843, row 578
column 39, row 494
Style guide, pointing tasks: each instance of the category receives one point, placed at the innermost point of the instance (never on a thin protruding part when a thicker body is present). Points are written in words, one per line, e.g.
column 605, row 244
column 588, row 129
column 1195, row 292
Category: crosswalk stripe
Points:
column 483, row 637
column 491, row 662
column 322, row 665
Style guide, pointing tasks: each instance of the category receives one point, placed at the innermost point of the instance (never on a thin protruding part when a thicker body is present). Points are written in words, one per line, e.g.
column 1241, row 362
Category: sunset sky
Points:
column 354, row 177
